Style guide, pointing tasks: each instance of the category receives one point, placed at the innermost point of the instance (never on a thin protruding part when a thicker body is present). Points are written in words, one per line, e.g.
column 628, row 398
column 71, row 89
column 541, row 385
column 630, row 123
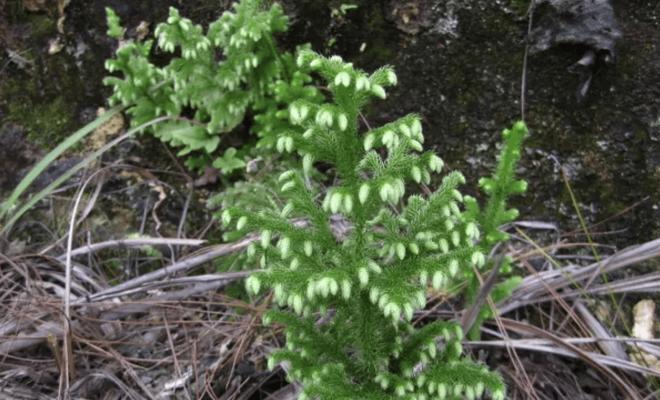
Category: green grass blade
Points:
column 73, row 139
column 68, row 174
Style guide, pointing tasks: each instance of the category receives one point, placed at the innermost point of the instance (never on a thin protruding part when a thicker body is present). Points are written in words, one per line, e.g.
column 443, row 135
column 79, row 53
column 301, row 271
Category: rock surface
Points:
column 459, row 64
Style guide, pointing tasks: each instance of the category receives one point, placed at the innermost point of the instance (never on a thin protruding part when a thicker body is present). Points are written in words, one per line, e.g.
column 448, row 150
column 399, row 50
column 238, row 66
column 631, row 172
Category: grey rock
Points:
column 588, row 23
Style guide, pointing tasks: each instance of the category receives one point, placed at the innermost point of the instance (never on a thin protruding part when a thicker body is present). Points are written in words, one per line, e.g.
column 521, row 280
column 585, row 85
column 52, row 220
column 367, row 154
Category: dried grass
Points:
column 174, row 332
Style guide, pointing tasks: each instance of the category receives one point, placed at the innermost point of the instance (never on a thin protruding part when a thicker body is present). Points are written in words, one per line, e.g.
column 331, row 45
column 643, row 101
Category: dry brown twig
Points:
column 111, row 320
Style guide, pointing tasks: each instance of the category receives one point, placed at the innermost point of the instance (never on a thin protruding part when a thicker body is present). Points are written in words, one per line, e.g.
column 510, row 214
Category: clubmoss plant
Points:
column 498, row 188
column 353, row 262
column 213, row 79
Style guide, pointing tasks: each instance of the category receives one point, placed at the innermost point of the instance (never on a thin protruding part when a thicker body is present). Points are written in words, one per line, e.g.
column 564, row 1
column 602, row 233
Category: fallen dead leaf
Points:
column 142, row 30
column 61, row 5
column 55, row 45
column 35, row 5
column 110, row 128
column 644, row 314
column 644, row 327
